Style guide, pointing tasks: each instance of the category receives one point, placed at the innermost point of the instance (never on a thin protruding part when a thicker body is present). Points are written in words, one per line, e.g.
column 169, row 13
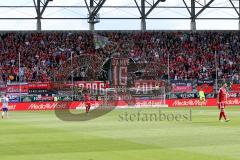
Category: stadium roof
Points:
column 115, row 14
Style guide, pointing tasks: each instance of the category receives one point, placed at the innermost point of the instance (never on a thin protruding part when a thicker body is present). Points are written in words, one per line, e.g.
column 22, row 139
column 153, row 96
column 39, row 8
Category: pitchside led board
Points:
column 119, row 74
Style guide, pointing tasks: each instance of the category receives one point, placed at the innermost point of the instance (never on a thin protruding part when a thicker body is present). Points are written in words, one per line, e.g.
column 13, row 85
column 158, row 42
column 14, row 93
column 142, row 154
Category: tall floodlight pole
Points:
column 72, row 75
column 168, row 67
column 19, row 78
column 216, row 67
column 169, row 93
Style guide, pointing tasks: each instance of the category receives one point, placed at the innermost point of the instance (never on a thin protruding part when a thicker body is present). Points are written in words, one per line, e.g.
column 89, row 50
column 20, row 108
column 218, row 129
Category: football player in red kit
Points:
column 87, row 101
column 222, row 99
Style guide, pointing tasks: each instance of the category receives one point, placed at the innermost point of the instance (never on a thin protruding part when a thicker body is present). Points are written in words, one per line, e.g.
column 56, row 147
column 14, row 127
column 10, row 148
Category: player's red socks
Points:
column 222, row 114
column 87, row 109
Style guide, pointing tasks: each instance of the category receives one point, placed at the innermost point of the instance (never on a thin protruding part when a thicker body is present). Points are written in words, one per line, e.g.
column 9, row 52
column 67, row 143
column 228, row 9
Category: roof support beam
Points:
column 142, row 10
column 143, row 16
column 204, row 7
column 154, row 5
column 40, row 6
column 193, row 16
column 192, row 12
column 194, row 7
column 237, row 10
column 93, row 12
column 234, row 7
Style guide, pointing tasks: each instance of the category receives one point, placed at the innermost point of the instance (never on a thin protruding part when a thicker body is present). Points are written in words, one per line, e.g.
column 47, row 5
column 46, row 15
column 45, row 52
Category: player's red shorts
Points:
column 88, row 104
column 221, row 105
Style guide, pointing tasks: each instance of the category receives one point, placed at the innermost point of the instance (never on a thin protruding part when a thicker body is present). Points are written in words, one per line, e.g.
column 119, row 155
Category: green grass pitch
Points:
column 41, row 136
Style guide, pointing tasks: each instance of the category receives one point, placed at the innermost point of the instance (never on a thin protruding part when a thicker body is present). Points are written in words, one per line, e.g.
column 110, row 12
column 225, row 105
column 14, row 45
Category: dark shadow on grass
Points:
column 65, row 114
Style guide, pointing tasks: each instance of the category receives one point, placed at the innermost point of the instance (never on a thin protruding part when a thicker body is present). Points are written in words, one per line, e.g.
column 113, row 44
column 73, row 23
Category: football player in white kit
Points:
column 5, row 101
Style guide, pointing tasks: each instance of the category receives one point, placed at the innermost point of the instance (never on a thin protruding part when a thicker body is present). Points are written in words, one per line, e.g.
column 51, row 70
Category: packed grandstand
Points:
column 46, row 56
column 181, row 62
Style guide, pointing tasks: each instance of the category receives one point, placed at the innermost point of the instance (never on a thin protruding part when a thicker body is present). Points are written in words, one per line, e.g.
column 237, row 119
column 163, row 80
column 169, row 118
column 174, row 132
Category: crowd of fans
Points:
column 53, row 56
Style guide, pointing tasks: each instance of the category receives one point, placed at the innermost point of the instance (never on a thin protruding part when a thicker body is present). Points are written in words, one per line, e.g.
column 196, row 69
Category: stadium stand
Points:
column 46, row 56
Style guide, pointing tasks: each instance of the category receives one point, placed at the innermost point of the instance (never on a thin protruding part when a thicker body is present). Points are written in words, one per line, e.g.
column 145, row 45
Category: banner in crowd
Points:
column 28, row 87
column 119, row 73
column 95, row 87
column 148, row 83
column 121, row 104
column 148, row 88
column 17, row 88
column 100, row 41
column 184, row 95
column 181, row 86
column 205, row 85
column 38, row 91
column 235, row 87
column 3, row 87
column 40, row 85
